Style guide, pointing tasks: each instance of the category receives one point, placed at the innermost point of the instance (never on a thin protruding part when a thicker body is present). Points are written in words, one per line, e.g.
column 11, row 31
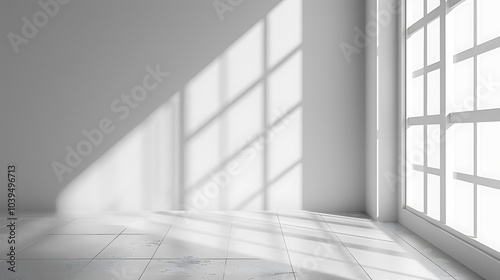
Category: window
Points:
column 453, row 117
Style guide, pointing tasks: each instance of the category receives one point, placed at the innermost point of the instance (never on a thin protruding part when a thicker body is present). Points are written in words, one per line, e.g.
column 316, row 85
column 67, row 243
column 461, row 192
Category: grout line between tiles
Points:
column 286, row 247
column 161, row 242
column 39, row 236
column 345, row 246
column 418, row 250
column 76, row 274
column 227, row 252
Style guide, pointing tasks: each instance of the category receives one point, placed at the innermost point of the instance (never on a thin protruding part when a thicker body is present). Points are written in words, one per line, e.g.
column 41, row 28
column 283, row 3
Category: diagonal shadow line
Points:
column 267, row 186
column 395, row 272
column 372, row 249
column 237, row 153
column 327, row 222
column 245, row 92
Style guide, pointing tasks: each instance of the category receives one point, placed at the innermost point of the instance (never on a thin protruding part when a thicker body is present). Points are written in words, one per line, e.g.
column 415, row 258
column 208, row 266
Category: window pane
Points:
column 489, row 150
column 415, row 190
column 433, row 43
column 489, row 80
column 462, row 28
column 415, row 97
column 432, row 4
column 460, row 206
column 488, row 20
column 415, row 50
column 433, row 146
column 433, row 92
column 462, row 90
column 488, row 227
column 433, row 196
column 415, row 11
column 415, row 146
column 464, row 148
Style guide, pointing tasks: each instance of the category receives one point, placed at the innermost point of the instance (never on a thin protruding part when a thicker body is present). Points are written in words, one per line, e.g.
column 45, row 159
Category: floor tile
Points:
column 355, row 226
column 42, row 269
column 131, row 246
column 190, row 244
column 303, row 219
column 66, row 247
column 210, row 219
column 113, row 270
column 391, row 259
column 257, row 270
column 440, row 258
column 195, row 238
column 3, row 222
column 263, row 243
column 21, row 241
column 184, row 269
column 320, row 255
column 40, row 226
column 148, row 226
column 247, row 216
column 92, row 226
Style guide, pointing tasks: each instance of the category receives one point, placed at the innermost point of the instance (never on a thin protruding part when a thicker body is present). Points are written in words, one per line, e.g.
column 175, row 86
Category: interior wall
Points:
column 148, row 106
column 334, row 103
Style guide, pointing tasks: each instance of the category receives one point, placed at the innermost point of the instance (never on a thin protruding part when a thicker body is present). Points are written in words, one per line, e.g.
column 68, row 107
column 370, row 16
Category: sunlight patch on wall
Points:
column 135, row 174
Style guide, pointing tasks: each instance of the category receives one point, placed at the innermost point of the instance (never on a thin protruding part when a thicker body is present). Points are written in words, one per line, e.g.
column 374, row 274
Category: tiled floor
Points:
column 223, row 245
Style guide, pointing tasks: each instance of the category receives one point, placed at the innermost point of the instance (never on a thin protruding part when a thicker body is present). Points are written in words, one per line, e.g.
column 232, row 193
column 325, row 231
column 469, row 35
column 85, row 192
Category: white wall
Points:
column 263, row 67
column 333, row 107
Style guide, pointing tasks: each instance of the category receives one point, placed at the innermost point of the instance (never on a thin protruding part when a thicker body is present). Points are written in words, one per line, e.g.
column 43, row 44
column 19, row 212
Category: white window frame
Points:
column 480, row 258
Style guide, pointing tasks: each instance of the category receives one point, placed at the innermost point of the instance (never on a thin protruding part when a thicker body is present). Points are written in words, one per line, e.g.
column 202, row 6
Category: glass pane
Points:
column 433, row 146
column 464, row 148
column 488, row 150
column 488, row 227
column 433, row 38
column 415, row 97
column 433, row 196
column 415, row 146
column 460, row 206
column 488, row 20
column 432, row 4
column 415, row 190
column 415, row 50
column 415, row 11
column 462, row 90
column 489, row 80
column 462, row 28
column 433, row 90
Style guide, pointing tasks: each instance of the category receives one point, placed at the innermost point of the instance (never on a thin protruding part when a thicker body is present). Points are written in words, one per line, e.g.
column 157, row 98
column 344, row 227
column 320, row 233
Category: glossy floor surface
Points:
column 221, row 245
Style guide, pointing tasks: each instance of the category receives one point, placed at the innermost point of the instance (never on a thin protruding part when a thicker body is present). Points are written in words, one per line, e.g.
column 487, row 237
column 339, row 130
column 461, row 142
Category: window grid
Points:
column 446, row 121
